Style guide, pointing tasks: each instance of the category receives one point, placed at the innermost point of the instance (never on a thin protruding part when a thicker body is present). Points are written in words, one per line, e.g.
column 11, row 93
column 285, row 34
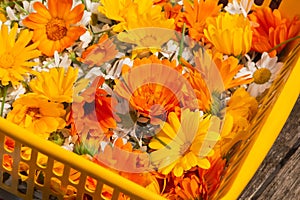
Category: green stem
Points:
column 284, row 42
column 162, row 142
column 181, row 43
column 3, row 99
column 84, row 3
column 21, row 8
column 102, row 31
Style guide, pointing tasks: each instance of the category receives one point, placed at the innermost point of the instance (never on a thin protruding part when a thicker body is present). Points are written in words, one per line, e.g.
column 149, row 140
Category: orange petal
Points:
column 64, row 8
column 53, row 6
column 42, row 10
column 75, row 15
column 37, row 18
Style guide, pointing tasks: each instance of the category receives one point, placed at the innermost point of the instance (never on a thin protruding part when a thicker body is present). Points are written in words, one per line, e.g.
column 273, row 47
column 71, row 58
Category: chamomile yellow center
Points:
column 262, row 76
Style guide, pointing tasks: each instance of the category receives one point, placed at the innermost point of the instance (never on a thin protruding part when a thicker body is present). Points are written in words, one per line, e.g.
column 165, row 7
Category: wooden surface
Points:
column 279, row 175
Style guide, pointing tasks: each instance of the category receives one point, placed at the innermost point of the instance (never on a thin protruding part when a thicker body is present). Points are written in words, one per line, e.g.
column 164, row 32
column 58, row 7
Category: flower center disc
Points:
column 262, row 76
column 33, row 112
column 185, row 148
column 6, row 60
column 56, row 29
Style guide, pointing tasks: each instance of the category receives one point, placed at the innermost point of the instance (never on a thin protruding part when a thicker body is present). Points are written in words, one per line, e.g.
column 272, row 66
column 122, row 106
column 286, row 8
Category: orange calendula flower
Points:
column 199, row 86
column 172, row 11
column 9, row 144
column 94, row 111
column 224, row 30
column 97, row 54
column 272, row 29
column 37, row 114
column 7, row 162
column 123, row 159
column 14, row 54
column 55, row 27
column 55, row 85
column 195, row 16
column 153, row 87
column 160, row 2
column 228, row 69
column 197, row 183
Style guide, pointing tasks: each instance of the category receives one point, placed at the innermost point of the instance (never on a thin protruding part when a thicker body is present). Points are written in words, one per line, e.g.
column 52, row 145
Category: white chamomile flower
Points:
column 264, row 72
column 16, row 91
column 69, row 143
column 86, row 18
column 6, row 108
column 93, row 73
column 239, row 7
column 115, row 70
column 58, row 60
column 62, row 60
column 11, row 14
column 86, row 38
column 27, row 8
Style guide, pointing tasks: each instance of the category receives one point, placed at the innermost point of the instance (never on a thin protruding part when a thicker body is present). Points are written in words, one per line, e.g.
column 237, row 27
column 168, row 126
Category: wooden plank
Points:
column 286, row 184
column 277, row 161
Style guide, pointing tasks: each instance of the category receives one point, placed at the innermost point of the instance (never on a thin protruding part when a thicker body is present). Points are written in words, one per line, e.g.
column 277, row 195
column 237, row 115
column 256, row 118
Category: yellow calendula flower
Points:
column 240, row 110
column 55, row 85
column 186, row 144
column 230, row 34
column 131, row 14
column 38, row 115
column 14, row 54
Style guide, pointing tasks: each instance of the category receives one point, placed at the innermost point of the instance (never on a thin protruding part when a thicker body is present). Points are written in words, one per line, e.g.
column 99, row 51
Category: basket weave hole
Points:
column 108, row 192
column 9, row 144
column 6, row 178
column 58, row 168
column 37, row 194
column 25, row 152
column 23, row 171
column 39, row 177
column 74, row 176
column 7, row 162
column 22, row 187
column 71, row 192
column 52, row 197
column 68, row 192
column 56, row 186
column 90, row 184
column 87, row 197
column 42, row 160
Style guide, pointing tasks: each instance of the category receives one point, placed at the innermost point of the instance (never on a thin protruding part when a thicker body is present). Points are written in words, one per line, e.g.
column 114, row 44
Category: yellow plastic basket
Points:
column 249, row 150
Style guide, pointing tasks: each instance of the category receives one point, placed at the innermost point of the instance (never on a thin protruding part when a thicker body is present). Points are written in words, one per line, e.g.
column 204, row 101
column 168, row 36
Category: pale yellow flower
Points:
column 186, row 144
column 131, row 14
